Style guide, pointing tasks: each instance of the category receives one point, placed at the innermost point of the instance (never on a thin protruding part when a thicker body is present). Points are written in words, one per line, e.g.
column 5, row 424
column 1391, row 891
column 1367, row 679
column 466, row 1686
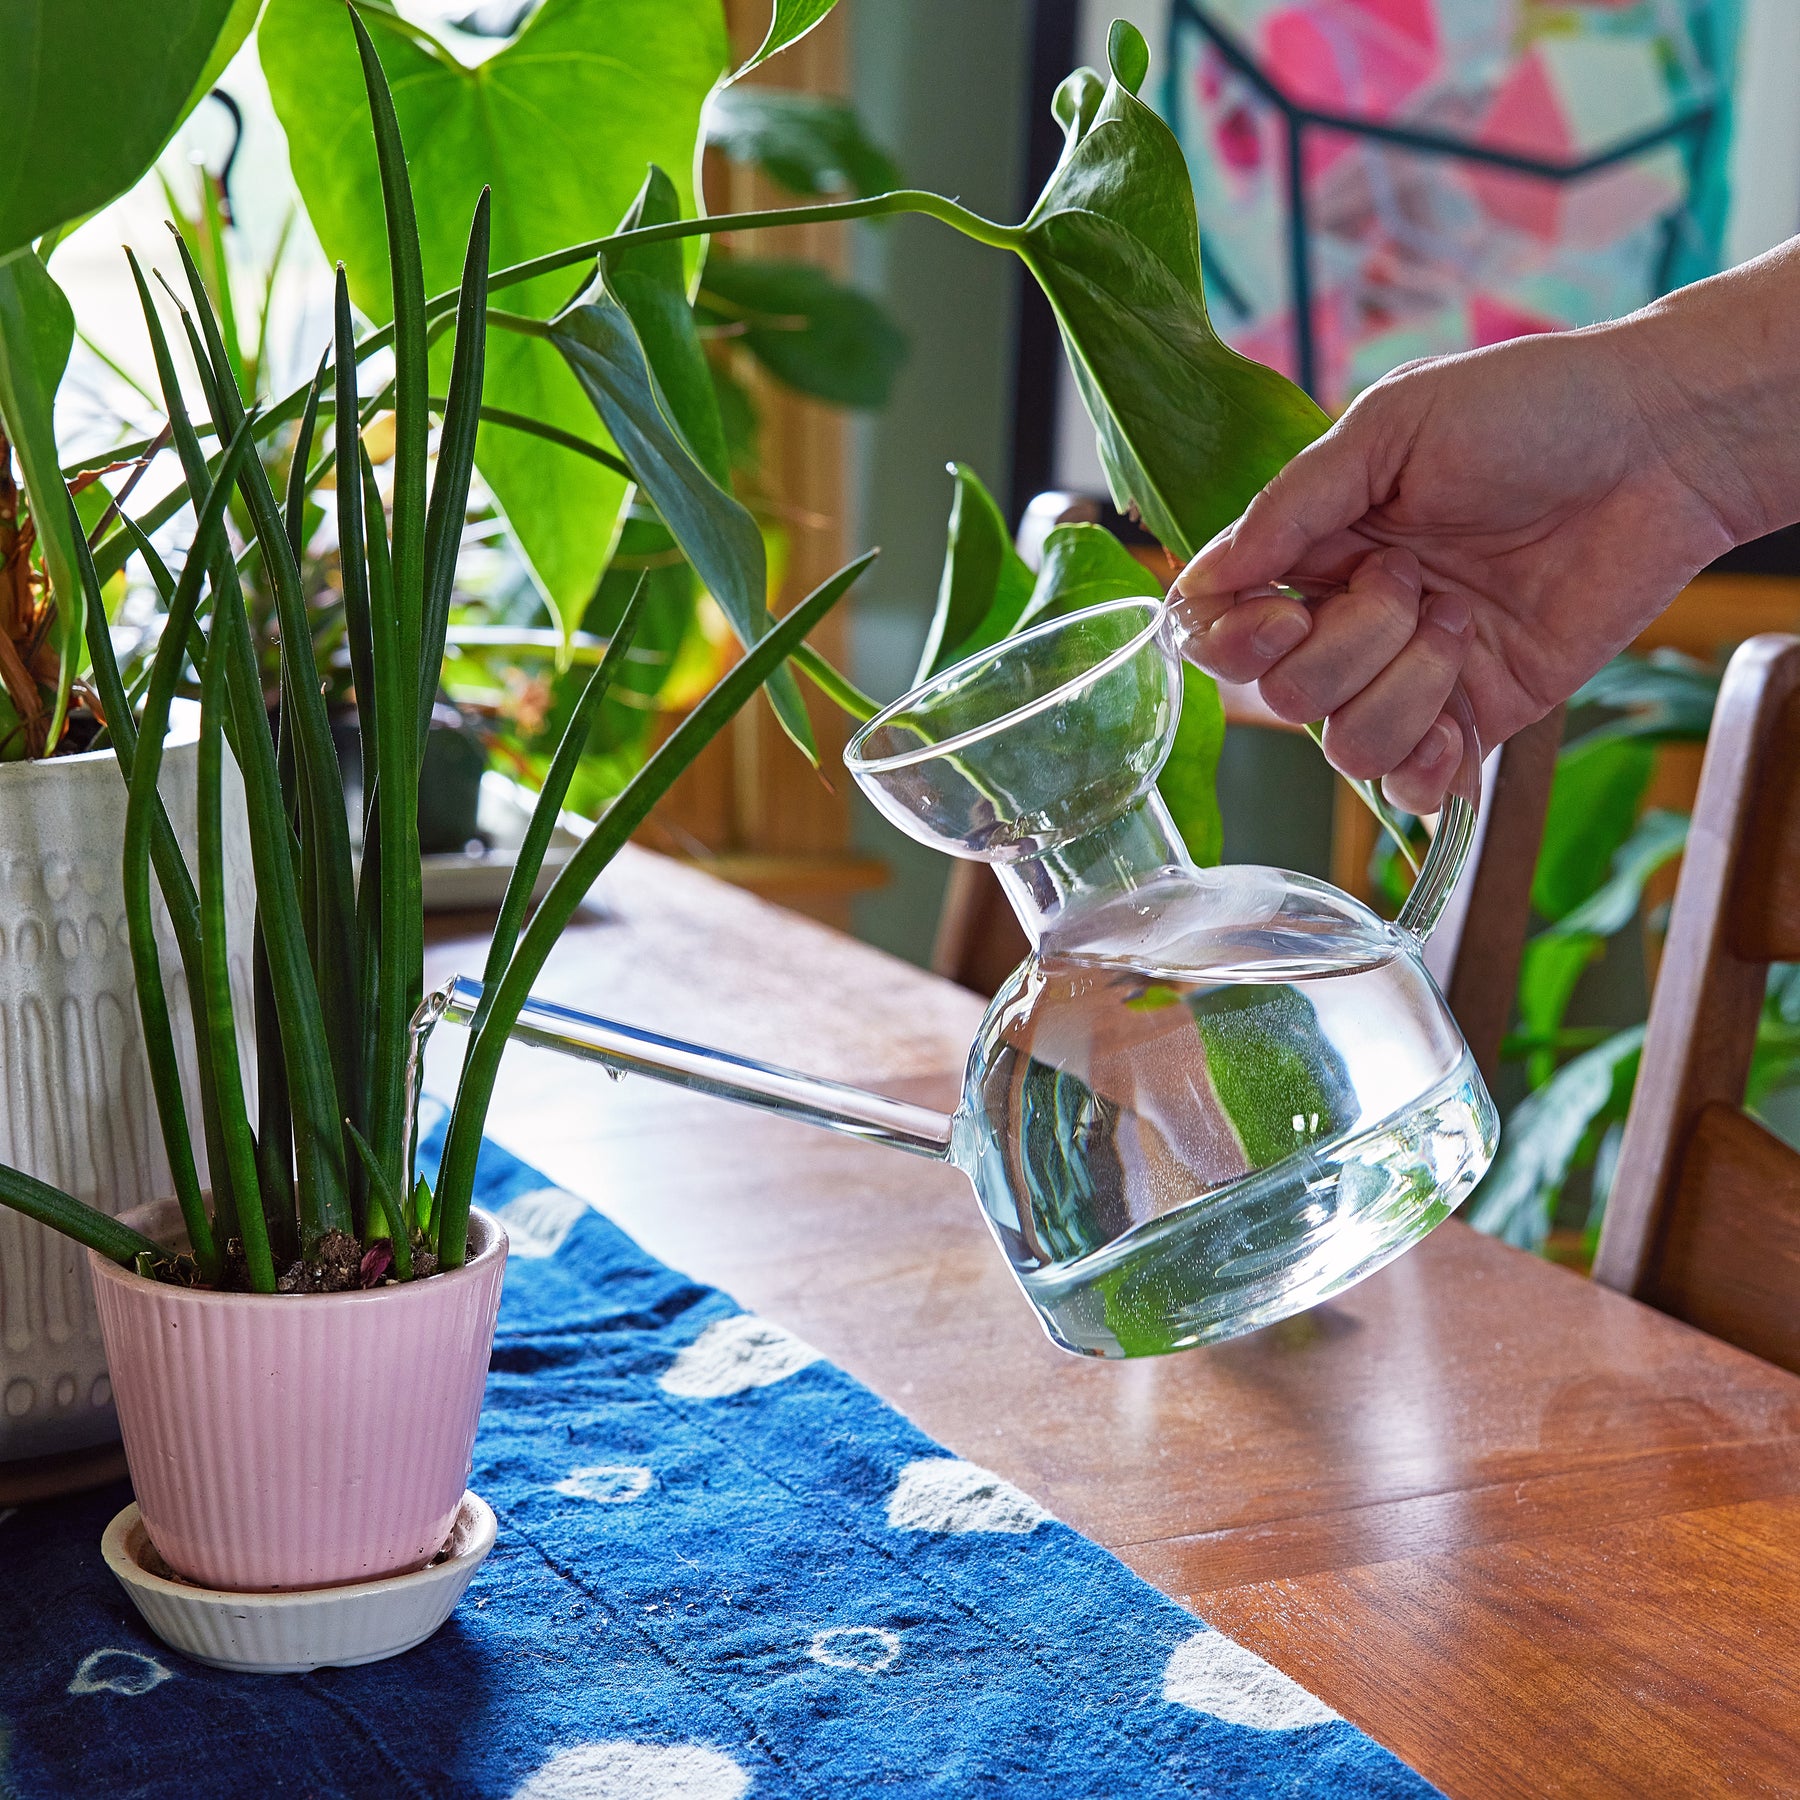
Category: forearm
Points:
column 1715, row 371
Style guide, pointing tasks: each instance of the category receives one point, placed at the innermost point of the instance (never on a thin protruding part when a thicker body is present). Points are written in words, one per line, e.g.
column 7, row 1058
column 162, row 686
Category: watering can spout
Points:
column 627, row 1050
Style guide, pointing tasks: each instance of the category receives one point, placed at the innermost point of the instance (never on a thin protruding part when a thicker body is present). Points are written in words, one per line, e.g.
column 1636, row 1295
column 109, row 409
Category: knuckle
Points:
column 1289, row 697
column 1357, row 754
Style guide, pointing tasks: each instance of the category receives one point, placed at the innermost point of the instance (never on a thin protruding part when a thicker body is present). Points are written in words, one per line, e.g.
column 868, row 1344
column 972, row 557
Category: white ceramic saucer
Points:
column 288, row 1633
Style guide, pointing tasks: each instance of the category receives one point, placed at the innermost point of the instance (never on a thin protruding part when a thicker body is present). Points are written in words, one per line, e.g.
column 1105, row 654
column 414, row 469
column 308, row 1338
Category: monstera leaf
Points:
column 89, row 95
column 561, row 122
column 1189, row 430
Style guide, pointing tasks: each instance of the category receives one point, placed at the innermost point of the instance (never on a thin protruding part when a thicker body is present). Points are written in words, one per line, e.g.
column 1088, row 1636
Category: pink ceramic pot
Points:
column 299, row 1440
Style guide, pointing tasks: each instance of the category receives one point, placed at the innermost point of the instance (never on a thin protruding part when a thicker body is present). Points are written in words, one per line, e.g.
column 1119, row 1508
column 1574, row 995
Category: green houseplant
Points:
column 69, row 1040
column 319, row 1191
column 316, row 1194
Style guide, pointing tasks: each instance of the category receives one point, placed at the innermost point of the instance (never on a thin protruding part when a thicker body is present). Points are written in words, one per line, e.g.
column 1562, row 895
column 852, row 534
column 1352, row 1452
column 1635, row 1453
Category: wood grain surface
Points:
column 1532, row 1535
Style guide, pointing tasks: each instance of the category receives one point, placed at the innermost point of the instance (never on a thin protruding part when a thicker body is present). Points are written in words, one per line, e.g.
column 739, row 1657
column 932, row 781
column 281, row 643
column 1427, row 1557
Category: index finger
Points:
column 1325, row 489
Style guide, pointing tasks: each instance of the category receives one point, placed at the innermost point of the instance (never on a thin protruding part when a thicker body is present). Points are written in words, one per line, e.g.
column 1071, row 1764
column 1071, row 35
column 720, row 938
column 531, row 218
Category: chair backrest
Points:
column 1704, row 1216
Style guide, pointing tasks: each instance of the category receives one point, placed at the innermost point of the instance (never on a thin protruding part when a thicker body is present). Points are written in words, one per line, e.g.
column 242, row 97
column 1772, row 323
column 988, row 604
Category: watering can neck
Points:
column 1056, row 891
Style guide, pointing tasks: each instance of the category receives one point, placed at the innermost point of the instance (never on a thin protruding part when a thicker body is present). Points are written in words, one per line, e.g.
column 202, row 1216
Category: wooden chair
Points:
column 1704, row 1218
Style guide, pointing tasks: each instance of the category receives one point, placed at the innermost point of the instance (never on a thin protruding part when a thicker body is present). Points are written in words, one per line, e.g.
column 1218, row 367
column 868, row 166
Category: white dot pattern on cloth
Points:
column 733, row 1355
column 536, row 1223
column 626, row 1771
column 948, row 1494
column 608, row 1483
column 126, row 1672
column 868, row 1648
column 1211, row 1674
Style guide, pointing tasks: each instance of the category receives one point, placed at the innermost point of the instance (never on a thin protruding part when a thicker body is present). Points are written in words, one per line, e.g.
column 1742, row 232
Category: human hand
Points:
column 1512, row 517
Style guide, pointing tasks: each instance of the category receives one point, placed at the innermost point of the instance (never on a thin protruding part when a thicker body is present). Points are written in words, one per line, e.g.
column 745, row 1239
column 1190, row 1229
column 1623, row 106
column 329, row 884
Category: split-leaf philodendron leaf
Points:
column 1189, row 430
column 563, row 136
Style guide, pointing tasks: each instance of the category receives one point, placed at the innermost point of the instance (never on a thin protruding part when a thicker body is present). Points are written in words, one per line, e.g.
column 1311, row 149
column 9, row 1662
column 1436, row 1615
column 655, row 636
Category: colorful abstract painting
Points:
column 1468, row 170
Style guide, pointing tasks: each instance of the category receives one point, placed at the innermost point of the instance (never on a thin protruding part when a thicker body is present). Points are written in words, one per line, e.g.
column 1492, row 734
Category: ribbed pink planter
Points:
column 299, row 1441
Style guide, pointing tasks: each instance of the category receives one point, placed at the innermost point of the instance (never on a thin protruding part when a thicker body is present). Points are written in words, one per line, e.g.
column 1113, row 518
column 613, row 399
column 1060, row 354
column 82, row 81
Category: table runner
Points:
column 724, row 1569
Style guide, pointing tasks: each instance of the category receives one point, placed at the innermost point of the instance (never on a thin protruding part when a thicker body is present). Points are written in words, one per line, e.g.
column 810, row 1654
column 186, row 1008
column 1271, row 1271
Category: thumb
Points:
column 1328, row 486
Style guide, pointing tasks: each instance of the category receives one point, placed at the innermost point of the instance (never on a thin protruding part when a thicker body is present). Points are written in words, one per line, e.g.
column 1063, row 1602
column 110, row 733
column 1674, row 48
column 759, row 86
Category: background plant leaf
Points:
column 1188, row 429
column 1085, row 565
column 807, row 329
column 790, row 21
column 985, row 586
column 1664, row 695
column 1544, row 1139
column 804, row 142
column 561, row 122
column 717, row 535
column 90, row 93
column 1595, row 794
column 37, row 331
column 1555, row 959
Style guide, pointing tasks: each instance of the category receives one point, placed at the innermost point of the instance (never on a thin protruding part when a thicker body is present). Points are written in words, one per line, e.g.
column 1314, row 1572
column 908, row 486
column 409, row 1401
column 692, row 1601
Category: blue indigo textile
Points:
column 724, row 1569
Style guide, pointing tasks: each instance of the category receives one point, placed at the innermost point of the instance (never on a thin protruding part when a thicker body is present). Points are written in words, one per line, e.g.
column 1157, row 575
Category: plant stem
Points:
column 110, row 557
column 835, row 685
column 551, row 434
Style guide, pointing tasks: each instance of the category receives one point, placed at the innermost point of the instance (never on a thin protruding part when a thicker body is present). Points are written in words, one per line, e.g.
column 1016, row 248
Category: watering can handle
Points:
column 1455, row 834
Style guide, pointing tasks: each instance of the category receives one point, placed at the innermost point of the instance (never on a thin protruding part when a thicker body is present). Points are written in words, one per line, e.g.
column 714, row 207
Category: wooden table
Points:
column 1536, row 1538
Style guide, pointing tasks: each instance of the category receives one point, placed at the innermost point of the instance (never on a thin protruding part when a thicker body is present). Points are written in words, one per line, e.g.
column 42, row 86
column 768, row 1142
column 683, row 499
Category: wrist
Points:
column 1714, row 373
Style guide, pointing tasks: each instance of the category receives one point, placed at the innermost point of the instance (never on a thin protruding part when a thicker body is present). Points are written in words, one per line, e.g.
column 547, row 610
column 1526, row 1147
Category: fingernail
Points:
column 1449, row 613
column 1402, row 565
column 1277, row 635
column 1435, row 745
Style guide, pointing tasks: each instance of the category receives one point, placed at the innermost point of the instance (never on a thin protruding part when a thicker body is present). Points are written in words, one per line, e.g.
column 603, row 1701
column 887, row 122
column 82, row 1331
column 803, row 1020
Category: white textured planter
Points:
column 75, row 1101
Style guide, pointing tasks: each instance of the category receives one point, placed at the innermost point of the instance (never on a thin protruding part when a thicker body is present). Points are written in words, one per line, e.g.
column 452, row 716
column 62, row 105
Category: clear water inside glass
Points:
column 1232, row 1126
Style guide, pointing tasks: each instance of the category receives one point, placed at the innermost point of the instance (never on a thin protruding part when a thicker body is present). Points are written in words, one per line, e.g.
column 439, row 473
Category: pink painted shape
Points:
column 1493, row 321
column 1363, row 57
column 1528, row 115
column 300, row 1441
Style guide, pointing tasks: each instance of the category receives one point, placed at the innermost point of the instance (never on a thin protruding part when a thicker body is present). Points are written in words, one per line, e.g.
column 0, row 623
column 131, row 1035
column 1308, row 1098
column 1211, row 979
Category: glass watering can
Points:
column 1208, row 1098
